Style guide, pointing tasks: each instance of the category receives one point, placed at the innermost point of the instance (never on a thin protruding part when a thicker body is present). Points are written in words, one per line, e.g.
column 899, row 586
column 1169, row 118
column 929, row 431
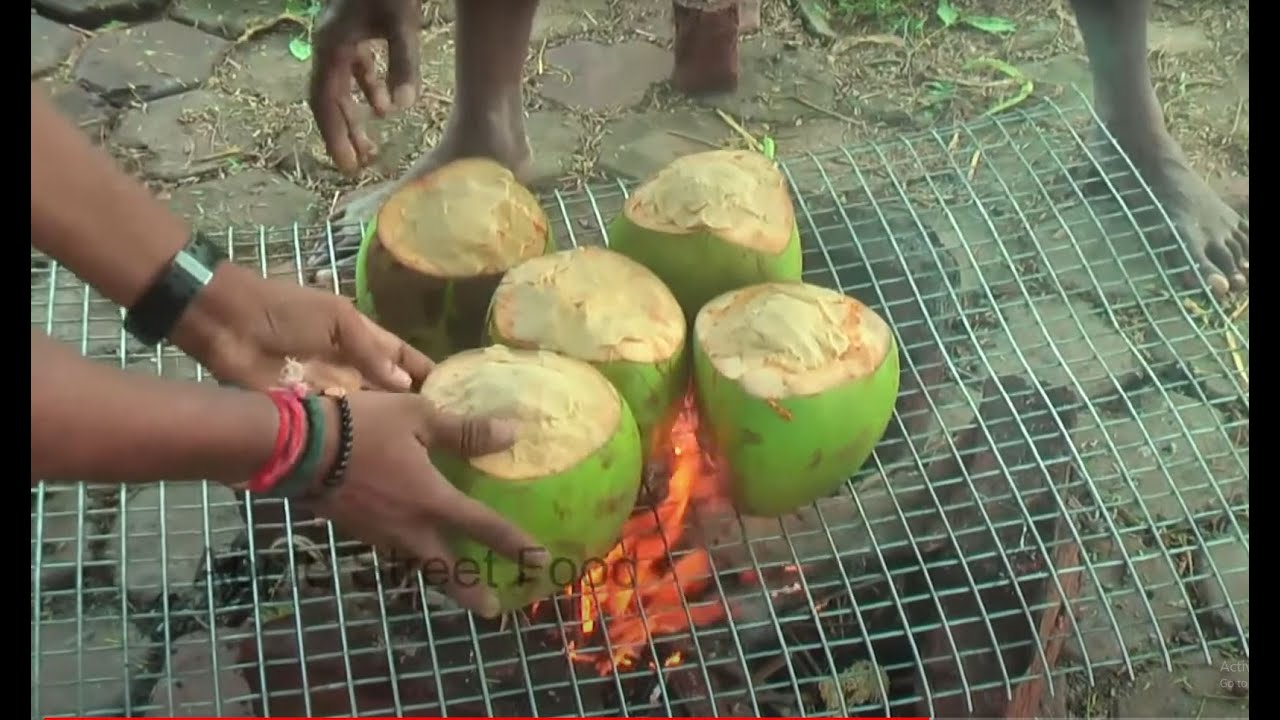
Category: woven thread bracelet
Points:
column 298, row 482
column 288, row 444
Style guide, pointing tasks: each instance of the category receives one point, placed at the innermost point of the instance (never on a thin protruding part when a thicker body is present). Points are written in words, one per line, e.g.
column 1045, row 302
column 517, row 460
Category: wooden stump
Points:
column 706, row 46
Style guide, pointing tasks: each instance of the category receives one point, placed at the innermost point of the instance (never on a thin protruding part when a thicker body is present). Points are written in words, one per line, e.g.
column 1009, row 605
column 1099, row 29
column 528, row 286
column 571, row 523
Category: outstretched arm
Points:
column 94, row 423
column 90, row 216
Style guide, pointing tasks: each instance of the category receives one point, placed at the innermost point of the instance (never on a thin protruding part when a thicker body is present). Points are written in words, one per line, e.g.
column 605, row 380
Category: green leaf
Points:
column 993, row 25
column 300, row 48
column 947, row 14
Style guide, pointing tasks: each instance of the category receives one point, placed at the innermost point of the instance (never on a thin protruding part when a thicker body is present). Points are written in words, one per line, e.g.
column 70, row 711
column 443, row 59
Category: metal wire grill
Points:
column 1072, row 441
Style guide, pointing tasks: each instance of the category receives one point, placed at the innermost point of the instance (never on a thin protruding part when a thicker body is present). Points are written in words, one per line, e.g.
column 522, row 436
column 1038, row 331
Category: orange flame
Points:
column 635, row 594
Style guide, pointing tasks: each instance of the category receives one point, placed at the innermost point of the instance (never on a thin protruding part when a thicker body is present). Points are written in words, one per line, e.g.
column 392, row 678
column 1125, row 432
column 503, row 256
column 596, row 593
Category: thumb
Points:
column 358, row 345
column 402, row 63
column 467, row 436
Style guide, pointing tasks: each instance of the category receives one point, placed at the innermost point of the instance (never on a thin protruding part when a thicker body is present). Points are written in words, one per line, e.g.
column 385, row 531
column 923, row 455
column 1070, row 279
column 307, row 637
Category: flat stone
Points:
column 1177, row 39
column 1230, row 562
column 1133, row 600
column 182, row 136
column 1034, row 34
column 638, row 145
column 172, row 520
column 589, row 76
column 85, row 671
column 228, row 18
column 93, row 115
column 1195, row 692
column 250, row 198
column 1095, row 247
column 1061, row 341
column 148, row 62
column 264, row 67
column 1177, row 338
column 555, row 139
column 1061, row 71
column 1169, row 456
column 203, row 681
column 90, row 14
column 67, row 310
column 563, row 18
column 67, row 527
column 51, row 43
column 773, row 75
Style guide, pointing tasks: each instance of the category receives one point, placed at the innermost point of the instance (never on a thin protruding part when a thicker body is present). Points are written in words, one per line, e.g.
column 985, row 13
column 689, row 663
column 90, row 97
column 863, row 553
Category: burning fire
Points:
column 636, row 593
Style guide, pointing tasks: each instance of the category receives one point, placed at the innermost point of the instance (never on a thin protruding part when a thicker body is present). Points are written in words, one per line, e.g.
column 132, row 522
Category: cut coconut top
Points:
column 589, row 303
column 737, row 194
column 564, row 408
column 470, row 217
column 781, row 340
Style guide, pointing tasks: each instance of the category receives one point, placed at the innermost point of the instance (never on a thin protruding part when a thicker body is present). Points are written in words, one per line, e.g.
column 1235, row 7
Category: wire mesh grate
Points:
column 1071, row 442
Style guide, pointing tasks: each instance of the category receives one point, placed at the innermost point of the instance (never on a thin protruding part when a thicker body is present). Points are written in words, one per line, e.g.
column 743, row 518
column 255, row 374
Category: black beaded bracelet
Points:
column 346, row 439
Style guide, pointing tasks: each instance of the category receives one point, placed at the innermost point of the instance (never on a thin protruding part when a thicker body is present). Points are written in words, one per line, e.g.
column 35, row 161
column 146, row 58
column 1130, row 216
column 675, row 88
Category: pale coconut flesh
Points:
column 438, row 247
column 711, row 222
column 603, row 308
column 571, row 478
column 796, row 383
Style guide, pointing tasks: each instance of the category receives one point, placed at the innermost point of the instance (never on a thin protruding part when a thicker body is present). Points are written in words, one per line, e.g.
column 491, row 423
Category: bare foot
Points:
column 1215, row 236
column 503, row 140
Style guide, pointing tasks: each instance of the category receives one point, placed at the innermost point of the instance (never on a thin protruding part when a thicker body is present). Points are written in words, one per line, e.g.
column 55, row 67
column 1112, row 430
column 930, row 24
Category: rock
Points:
column 1202, row 692
column 250, row 198
column 555, row 138
column 183, row 136
column 1094, row 247
column 638, row 145
column 1061, row 341
column 148, row 62
column 264, row 67
column 89, row 112
column 203, row 681
column 1166, row 456
column 589, row 76
column 1229, row 561
column 1062, row 71
column 1034, row 34
column 90, row 14
column 563, row 18
column 1177, row 39
column 51, row 43
column 228, row 18
column 1133, row 600
column 1181, row 343
column 68, row 527
column 772, row 75
column 79, row 672
column 166, row 529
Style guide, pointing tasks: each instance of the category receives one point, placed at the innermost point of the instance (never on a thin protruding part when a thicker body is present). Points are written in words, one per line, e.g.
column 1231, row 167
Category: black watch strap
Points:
column 156, row 313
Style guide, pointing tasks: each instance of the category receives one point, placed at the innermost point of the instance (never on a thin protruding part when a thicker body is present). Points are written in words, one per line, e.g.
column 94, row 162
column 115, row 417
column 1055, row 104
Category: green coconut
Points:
column 571, row 478
column 796, row 384
column 430, row 260
column 603, row 308
column 709, row 223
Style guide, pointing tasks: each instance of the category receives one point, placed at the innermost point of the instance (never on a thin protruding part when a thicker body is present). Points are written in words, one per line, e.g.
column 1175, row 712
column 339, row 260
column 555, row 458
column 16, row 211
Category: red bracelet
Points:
column 290, row 440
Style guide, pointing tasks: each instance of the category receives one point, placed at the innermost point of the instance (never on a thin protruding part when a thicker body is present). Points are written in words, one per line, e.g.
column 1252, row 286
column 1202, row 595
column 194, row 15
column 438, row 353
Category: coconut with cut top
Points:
column 796, row 384
column 571, row 478
column 437, row 248
column 601, row 307
column 711, row 222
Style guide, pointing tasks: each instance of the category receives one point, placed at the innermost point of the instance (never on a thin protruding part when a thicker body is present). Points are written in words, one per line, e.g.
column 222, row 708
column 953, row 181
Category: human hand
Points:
column 244, row 328
column 343, row 39
column 394, row 497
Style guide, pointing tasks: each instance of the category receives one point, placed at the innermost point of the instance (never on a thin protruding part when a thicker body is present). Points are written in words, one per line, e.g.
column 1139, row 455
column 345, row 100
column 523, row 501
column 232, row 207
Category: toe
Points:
column 1241, row 236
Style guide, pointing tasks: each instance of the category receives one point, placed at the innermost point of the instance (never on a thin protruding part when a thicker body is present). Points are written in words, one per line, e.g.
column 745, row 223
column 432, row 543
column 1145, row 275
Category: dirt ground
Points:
column 223, row 131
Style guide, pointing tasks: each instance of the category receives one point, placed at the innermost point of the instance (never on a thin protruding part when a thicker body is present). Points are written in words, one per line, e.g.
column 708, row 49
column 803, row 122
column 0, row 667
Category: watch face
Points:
column 193, row 267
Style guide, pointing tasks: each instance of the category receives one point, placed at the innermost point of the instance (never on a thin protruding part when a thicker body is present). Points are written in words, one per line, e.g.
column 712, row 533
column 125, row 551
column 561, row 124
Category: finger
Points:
column 466, row 436
column 330, row 89
column 366, row 75
column 440, row 570
column 486, row 526
column 365, row 149
column 355, row 343
column 403, row 63
column 407, row 358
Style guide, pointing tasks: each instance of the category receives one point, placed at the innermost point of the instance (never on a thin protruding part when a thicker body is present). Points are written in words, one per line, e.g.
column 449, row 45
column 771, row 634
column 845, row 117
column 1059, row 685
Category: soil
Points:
column 205, row 102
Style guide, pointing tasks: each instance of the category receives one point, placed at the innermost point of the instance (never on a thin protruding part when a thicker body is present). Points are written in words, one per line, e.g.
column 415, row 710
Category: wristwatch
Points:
column 154, row 316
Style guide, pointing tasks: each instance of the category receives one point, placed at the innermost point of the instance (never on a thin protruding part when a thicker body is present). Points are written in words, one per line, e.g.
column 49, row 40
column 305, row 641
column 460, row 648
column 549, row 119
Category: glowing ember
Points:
column 636, row 593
